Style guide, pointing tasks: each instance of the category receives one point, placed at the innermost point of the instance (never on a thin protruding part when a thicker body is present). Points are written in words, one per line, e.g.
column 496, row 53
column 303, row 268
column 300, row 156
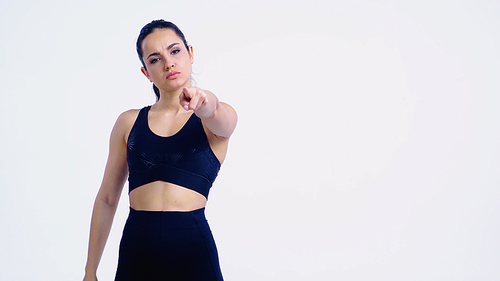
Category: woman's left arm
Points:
column 220, row 118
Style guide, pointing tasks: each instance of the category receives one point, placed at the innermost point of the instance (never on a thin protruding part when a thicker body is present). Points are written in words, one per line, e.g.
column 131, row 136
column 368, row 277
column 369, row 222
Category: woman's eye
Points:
column 153, row 61
column 175, row 52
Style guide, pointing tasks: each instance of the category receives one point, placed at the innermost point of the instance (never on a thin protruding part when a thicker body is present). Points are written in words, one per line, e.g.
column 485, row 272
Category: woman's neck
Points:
column 169, row 101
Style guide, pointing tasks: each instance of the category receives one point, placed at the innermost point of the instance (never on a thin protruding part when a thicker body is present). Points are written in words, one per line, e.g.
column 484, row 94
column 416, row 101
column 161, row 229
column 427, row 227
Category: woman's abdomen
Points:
column 164, row 196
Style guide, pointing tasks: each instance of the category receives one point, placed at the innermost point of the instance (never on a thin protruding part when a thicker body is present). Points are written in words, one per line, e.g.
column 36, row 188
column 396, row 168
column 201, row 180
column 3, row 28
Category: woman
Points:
column 172, row 153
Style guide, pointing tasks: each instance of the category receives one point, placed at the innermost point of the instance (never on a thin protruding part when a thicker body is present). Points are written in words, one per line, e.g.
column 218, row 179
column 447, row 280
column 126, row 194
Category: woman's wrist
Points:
column 90, row 271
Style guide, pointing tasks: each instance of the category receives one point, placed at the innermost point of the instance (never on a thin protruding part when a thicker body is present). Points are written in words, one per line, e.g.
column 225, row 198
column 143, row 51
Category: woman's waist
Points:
column 164, row 196
column 157, row 222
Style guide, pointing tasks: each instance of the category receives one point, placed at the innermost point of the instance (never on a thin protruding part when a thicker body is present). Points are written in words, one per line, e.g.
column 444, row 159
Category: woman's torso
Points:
column 162, row 195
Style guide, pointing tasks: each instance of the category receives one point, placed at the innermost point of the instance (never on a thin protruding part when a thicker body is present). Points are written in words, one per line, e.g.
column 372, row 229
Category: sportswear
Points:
column 168, row 245
column 185, row 158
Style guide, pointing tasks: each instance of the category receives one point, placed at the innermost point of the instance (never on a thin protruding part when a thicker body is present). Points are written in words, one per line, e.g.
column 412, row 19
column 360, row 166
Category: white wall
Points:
column 367, row 146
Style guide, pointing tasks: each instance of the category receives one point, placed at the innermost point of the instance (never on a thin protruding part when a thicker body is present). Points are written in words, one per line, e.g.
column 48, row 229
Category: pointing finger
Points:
column 185, row 98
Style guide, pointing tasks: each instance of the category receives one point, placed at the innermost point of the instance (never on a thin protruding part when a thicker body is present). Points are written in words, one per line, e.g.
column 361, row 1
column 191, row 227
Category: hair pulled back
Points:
column 148, row 29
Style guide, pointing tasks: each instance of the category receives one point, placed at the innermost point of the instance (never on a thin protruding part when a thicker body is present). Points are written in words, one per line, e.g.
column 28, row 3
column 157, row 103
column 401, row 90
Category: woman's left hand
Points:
column 202, row 102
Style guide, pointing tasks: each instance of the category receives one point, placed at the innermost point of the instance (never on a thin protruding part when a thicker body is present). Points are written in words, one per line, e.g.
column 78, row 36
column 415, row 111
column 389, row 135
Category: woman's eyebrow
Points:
column 153, row 54
column 171, row 46
column 168, row 48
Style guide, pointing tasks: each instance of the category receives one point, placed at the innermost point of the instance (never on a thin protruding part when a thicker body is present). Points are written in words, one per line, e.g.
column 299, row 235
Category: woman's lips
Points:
column 173, row 75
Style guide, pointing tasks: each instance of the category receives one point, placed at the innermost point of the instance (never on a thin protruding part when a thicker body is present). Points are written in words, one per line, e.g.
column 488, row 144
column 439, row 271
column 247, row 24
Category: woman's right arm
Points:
column 105, row 204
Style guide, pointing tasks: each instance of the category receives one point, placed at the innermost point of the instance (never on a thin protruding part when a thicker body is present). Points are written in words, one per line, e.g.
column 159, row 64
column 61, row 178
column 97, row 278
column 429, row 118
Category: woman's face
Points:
column 168, row 62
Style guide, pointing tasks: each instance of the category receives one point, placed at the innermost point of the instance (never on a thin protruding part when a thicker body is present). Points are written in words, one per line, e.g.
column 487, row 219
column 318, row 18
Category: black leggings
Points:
column 168, row 246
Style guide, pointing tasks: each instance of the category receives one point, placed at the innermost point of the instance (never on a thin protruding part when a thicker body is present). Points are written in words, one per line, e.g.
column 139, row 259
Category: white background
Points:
column 367, row 146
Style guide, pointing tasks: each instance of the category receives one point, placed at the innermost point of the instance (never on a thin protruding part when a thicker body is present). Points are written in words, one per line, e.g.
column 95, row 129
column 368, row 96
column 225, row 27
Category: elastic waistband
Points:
column 173, row 216
column 147, row 211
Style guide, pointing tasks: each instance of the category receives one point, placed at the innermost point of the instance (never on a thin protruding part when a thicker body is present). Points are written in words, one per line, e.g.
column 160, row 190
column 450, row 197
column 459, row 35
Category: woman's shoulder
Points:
column 126, row 120
column 129, row 114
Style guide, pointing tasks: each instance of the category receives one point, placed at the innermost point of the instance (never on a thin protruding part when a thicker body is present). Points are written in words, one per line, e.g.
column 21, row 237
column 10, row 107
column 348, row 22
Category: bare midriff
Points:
column 165, row 196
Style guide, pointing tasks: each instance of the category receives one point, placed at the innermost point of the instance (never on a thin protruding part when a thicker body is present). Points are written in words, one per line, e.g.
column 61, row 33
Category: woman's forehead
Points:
column 160, row 39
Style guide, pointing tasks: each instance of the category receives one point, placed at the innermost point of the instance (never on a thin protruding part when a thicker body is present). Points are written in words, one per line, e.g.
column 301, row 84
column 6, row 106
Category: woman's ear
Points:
column 145, row 72
column 191, row 54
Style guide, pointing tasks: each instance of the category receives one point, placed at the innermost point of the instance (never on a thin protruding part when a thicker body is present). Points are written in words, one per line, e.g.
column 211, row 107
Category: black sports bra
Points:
column 185, row 159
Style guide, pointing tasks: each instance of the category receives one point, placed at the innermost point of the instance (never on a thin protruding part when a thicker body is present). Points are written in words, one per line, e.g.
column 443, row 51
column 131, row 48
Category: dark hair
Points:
column 148, row 29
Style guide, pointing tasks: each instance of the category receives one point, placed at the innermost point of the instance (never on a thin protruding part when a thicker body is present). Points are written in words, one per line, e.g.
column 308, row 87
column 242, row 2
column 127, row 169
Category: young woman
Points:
column 171, row 152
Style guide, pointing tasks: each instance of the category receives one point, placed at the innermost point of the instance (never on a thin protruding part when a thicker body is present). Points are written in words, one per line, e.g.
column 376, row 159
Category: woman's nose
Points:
column 169, row 65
